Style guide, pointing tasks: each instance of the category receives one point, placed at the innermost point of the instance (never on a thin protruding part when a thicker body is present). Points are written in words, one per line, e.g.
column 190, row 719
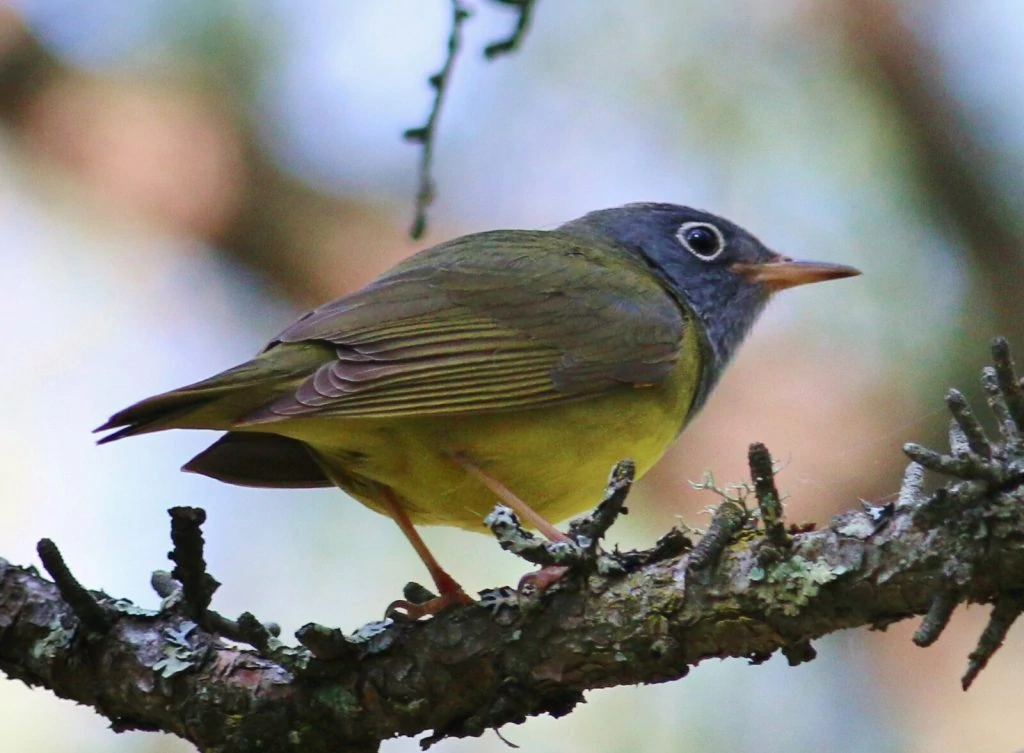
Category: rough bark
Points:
column 473, row 668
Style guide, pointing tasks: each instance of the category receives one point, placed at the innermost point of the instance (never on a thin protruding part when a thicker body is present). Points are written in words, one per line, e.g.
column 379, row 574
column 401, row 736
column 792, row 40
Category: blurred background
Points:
column 180, row 179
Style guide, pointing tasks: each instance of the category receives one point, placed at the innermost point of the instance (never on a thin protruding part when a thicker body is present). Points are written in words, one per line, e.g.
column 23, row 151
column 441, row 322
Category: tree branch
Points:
column 953, row 166
column 524, row 9
column 426, row 135
column 471, row 669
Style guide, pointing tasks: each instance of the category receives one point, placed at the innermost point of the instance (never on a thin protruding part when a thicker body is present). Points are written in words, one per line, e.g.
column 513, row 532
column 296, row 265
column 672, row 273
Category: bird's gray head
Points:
column 715, row 268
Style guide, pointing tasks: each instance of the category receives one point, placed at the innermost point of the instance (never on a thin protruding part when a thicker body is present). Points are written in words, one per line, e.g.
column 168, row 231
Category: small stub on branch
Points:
column 590, row 529
column 1004, row 614
column 727, row 521
column 762, row 472
column 964, row 418
column 85, row 606
column 941, row 609
column 198, row 586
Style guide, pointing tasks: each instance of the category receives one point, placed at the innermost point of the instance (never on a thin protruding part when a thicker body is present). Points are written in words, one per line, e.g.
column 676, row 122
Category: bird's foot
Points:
column 407, row 610
column 540, row 580
column 562, row 553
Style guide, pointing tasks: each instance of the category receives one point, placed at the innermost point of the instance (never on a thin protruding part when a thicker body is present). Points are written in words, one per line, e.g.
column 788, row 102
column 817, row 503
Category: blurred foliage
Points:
column 178, row 179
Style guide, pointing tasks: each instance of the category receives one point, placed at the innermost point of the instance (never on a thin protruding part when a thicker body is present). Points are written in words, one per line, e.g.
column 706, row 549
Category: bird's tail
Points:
column 166, row 411
column 217, row 402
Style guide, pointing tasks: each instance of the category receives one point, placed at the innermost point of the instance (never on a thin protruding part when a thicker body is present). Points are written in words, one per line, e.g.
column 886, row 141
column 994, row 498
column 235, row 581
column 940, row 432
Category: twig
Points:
column 325, row 643
column 671, row 544
column 512, row 42
column 972, row 430
column 255, row 633
column 912, row 487
column 1004, row 614
column 82, row 603
column 589, row 530
column 727, row 521
column 246, row 629
column 426, row 134
column 197, row 585
column 968, row 467
column 935, row 621
column 1006, row 377
column 514, row 538
column 997, row 402
column 768, row 500
column 584, row 536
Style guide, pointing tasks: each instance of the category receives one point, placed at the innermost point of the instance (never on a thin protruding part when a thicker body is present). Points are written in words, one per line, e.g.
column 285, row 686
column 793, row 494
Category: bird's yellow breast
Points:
column 556, row 459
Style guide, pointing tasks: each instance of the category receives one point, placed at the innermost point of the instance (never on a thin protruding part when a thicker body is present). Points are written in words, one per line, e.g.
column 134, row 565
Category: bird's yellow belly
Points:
column 556, row 459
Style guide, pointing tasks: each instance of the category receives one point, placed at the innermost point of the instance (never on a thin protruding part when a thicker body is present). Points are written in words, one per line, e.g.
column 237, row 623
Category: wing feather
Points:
column 505, row 320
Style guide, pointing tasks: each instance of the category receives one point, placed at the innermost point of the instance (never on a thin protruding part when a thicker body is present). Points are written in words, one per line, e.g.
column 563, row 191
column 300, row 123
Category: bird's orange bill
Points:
column 783, row 272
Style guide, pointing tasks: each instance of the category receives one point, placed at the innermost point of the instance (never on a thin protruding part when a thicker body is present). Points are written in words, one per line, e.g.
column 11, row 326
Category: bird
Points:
column 511, row 366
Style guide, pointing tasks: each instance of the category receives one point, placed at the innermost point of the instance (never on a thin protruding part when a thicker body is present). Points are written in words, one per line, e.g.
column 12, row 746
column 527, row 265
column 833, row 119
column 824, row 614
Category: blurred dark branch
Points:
column 952, row 165
column 426, row 134
column 472, row 668
column 25, row 69
column 281, row 228
column 524, row 9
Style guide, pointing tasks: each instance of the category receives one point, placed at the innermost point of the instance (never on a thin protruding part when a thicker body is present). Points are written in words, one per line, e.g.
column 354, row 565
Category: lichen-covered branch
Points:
column 474, row 668
column 469, row 669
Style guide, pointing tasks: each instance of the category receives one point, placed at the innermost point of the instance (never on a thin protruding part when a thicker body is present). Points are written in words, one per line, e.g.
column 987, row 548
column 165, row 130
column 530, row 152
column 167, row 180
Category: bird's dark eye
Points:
column 701, row 239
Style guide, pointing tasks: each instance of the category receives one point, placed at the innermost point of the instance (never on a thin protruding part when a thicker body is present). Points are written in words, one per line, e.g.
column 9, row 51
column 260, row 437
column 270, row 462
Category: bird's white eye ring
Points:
column 702, row 239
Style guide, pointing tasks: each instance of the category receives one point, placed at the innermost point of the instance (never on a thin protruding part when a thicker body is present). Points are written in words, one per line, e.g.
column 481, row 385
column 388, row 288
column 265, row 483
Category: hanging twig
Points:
column 426, row 135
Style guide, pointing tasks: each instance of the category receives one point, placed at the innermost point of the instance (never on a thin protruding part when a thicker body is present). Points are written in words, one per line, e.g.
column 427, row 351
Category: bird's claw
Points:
column 403, row 610
column 541, row 580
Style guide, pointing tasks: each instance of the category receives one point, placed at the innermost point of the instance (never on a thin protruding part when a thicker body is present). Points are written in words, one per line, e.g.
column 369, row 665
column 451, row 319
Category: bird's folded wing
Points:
column 497, row 321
